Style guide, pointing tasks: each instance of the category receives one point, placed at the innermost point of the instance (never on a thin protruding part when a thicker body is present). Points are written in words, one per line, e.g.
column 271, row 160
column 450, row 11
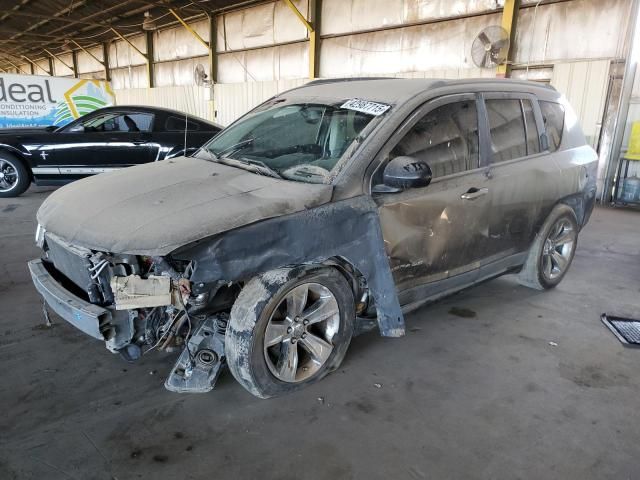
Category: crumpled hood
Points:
column 155, row 208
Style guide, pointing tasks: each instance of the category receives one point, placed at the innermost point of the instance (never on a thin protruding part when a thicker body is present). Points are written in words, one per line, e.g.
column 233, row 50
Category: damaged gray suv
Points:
column 326, row 211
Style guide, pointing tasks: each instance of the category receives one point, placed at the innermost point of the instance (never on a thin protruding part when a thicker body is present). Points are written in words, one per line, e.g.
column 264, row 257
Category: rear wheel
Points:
column 289, row 328
column 14, row 177
column 552, row 251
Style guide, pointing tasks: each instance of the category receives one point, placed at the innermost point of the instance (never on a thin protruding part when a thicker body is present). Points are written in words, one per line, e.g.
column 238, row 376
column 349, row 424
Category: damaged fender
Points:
column 349, row 229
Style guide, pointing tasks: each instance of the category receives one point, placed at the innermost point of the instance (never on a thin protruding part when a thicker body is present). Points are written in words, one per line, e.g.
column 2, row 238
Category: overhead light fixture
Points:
column 149, row 24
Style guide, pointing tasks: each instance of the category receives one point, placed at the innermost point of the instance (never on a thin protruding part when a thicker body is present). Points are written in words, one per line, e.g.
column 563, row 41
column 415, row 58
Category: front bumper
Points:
column 83, row 315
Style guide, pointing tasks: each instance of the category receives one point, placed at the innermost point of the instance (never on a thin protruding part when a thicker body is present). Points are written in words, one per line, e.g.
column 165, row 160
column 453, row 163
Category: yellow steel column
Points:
column 509, row 23
column 148, row 57
column 189, row 29
column 313, row 45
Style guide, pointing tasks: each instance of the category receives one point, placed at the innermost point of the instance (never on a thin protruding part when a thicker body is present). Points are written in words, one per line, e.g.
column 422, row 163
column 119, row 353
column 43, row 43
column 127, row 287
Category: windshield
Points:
column 302, row 141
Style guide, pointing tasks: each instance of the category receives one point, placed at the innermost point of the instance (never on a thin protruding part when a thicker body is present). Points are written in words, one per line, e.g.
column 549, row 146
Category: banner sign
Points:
column 37, row 101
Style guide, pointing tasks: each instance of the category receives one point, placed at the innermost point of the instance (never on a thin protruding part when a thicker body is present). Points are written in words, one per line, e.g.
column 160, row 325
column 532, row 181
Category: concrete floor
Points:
column 481, row 397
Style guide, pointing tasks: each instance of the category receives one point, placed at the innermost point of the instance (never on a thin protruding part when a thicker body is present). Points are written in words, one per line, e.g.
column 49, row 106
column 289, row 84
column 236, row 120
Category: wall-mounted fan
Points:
column 490, row 47
column 200, row 77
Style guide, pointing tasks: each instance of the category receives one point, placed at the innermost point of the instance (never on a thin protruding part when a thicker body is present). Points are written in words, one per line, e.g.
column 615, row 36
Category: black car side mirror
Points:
column 403, row 173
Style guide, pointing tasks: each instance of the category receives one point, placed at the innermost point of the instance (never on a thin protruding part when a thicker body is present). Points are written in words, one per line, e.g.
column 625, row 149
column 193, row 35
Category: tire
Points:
column 552, row 251
column 14, row 176
column 260, row 316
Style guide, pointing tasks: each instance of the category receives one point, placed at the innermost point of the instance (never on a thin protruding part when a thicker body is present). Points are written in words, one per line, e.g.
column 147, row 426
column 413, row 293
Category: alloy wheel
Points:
column 558, row 249
column 8, row 176
column 298, row 337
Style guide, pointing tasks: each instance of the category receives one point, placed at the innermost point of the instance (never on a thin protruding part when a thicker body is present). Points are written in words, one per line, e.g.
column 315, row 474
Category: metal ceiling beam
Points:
column 19, row 69
column 189, row 29
column 148, row 57
column 35, row 65
column 101, row 62
column 70, row 67
column 210, row 45
column 15, row 7
column 54, row 18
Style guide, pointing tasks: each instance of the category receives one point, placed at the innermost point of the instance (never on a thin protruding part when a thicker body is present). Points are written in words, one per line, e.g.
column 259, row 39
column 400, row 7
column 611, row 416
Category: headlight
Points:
column 40, row 236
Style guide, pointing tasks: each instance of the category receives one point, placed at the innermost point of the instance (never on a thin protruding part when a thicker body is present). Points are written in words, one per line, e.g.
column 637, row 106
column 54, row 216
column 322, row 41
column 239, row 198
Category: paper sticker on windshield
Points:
column 364, row 106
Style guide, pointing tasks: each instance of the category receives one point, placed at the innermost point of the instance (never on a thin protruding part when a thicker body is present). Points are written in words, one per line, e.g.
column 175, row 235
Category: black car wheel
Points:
column 289, row 328
column 14, row 177
column 552, row 251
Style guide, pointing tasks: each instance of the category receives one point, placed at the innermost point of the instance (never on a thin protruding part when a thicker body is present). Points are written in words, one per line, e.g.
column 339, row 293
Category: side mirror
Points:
column 403, row 173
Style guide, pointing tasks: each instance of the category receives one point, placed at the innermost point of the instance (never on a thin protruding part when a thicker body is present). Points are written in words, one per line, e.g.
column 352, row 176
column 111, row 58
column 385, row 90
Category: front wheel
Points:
column 552, row 251
column 14, row 177
column 289, row 328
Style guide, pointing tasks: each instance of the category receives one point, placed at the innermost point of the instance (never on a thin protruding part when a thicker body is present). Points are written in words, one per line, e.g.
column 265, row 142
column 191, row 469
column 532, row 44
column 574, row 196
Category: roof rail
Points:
column 321, row 81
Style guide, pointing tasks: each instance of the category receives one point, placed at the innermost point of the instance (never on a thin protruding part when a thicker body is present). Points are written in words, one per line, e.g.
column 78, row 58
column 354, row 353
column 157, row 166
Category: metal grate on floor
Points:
column 627, row 330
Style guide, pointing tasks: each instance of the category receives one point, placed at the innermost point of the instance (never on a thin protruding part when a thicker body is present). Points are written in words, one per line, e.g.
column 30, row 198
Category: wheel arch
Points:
column 581, row 204
column 19, row 155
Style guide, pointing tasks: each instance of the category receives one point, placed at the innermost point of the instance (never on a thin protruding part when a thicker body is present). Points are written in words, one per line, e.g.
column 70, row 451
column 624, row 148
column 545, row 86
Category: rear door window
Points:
column 553, row 117
column 507, row 128
column 446, row 139
column 133, row 122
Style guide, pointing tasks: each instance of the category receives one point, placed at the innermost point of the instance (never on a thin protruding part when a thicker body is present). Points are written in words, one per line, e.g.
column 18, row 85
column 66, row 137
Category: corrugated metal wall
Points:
column 569, row 43
column 585, row 86
column 191, row 99
column 232, row 100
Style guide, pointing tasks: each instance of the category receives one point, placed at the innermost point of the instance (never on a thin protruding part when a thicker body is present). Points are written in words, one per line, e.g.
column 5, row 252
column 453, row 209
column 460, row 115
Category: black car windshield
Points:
column 295, row 141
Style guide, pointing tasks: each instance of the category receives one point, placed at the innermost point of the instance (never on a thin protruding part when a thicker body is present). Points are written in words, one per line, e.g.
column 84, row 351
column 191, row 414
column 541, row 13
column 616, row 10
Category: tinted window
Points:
column 533, row 136
column 134, row 122
column 116, row 122
column 446, row 138
column 176, row 124
column 553, row 116
column 508, row 138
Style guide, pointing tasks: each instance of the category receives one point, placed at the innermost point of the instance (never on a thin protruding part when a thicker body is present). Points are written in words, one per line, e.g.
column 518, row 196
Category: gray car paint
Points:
column 153, row 209
column 125, row 213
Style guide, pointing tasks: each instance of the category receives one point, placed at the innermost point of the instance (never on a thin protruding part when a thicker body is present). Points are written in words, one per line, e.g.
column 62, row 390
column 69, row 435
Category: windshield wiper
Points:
column 226, row 152
column 209, row 153
column 255, row 166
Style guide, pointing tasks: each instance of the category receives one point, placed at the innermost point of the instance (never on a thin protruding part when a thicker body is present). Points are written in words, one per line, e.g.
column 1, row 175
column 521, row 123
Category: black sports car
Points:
column 106, row 139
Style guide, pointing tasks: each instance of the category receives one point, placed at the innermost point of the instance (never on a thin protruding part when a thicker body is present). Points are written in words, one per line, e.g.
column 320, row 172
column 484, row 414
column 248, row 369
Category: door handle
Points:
column 139, row 142
column 474, row 193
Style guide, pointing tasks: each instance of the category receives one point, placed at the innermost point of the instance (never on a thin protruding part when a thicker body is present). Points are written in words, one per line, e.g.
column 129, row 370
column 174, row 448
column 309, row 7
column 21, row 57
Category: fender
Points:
column 348, row 229
column 22, row 153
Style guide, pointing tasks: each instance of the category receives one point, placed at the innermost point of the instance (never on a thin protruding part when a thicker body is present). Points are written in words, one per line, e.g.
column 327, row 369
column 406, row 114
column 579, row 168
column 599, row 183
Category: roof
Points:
column 399, row 90
column 27, row 27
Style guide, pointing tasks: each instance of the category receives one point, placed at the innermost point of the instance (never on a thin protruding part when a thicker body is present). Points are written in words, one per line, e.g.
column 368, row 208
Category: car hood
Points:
column 153, row 209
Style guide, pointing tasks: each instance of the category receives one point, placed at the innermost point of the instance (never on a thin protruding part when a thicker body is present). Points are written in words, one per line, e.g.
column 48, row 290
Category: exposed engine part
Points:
column 201, row 361
column 183, row 290
column 162, row 266
column 119, row 329
column 221, row 323
column 136, row 292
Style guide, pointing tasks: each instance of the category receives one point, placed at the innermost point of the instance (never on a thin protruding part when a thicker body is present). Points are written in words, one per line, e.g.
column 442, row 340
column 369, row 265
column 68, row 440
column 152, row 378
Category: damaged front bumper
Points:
column 199, row 365
column 89, row 318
